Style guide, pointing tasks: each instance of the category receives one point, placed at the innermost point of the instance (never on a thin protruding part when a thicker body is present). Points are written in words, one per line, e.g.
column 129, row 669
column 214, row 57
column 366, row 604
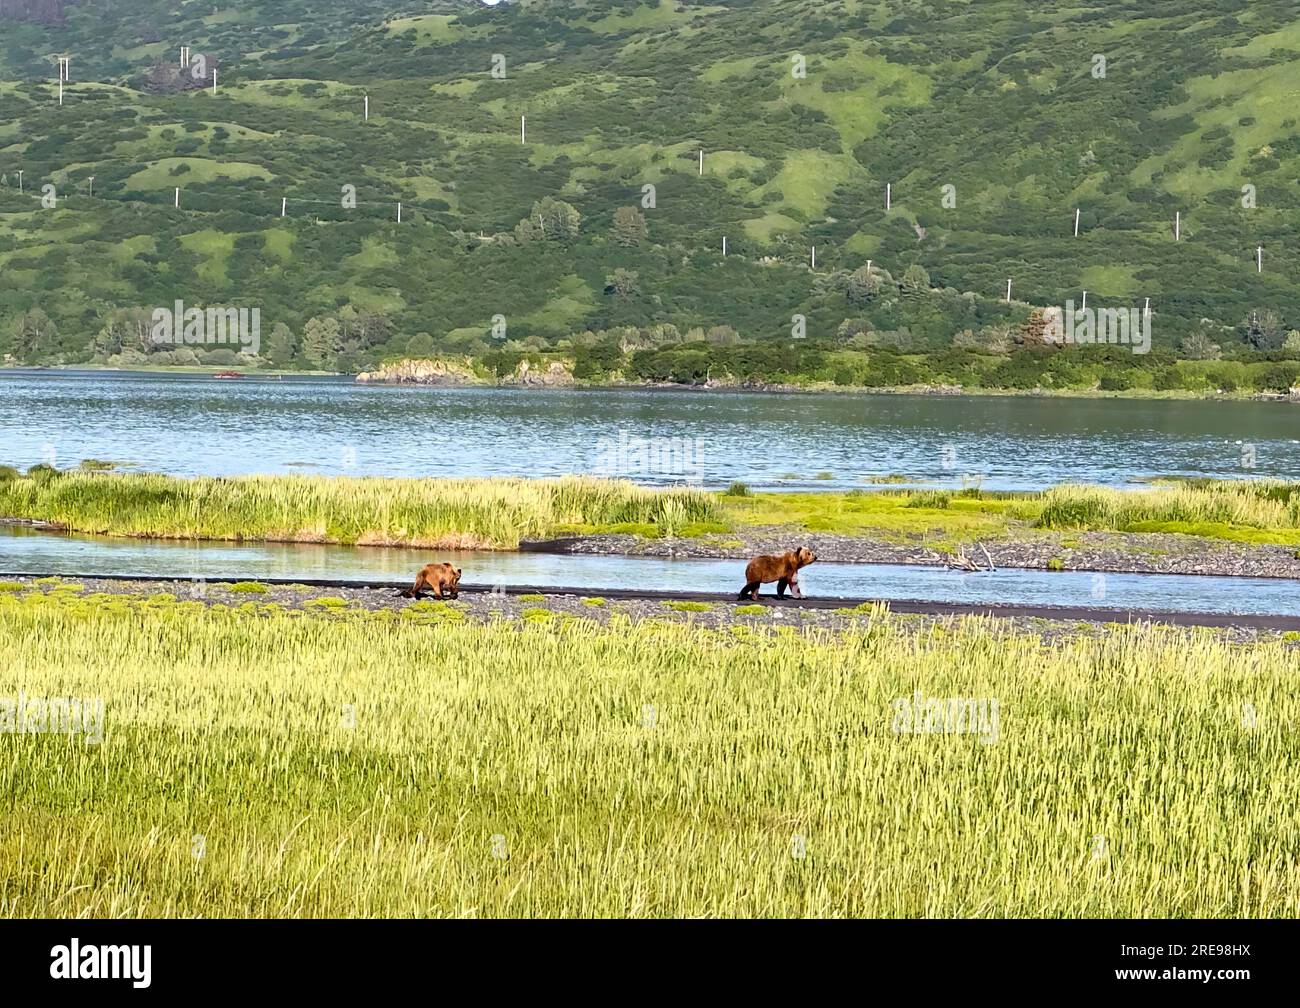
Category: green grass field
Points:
column 261, row 762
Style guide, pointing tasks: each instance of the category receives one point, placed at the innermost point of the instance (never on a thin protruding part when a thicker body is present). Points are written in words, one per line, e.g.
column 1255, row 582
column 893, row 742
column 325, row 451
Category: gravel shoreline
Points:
column 1117, row 552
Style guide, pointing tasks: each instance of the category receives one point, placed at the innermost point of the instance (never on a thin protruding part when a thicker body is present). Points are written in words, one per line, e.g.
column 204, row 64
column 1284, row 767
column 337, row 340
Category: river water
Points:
column 197, row 425
column 25, row 551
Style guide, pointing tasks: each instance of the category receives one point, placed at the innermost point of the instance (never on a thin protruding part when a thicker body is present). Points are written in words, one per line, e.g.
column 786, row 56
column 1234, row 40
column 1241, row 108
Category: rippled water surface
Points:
column 189, row 425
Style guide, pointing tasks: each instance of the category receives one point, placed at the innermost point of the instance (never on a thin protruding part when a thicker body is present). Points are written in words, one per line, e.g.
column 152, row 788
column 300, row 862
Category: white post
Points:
column 1146, row 309
column 20, row 179
column 868, row 267
column 367, row 108
column 185, row 56
column 701, row 161
column 814, row 257
column 1178, row 224
column 1084, row 306
column 178, row 197
column 724, row 246
column 214, row 80
column 60, row 90
column 284, row 205
column 1076, row 222
column 1008, row 290
column 92, row 187
column 889, row 187
column 399, row 213
column 1259, row 259
column 523, row 128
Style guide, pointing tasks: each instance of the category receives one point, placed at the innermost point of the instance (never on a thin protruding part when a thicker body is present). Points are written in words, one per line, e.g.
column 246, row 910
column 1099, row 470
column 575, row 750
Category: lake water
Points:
column 192, row 425
column 26, row 551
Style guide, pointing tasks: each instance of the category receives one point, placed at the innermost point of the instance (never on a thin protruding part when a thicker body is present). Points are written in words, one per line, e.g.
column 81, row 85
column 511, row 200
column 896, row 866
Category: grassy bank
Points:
column 355, row 764
column 499, row 513
column 446, row 513
column 1246, row 510
column 1254, row 511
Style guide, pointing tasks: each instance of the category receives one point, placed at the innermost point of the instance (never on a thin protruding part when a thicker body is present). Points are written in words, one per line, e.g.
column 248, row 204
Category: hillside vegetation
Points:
column 805, row 110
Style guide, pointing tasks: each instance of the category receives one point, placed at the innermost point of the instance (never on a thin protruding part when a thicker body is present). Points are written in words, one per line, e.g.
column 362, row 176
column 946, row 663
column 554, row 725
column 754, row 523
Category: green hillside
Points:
column 1000, row 101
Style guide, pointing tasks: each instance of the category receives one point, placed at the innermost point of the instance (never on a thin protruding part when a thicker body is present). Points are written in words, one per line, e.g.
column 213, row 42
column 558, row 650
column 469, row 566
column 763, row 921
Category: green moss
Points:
column 248, row 588
column 750, row 610
column 532, row 597
column 688, row 606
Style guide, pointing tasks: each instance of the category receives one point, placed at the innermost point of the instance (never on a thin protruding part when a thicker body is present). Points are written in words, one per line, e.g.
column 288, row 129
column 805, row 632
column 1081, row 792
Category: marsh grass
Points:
column 1252, row 510
column 464, row 513
column 500, row 513
column 359, row 763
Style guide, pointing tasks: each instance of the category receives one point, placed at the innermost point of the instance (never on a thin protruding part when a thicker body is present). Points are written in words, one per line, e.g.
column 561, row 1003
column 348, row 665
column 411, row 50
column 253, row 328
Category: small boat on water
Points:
column 227, row 374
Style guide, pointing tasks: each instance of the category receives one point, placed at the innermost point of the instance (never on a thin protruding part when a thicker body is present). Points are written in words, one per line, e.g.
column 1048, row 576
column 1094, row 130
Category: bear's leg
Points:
column 781, row 587
column 750, row 591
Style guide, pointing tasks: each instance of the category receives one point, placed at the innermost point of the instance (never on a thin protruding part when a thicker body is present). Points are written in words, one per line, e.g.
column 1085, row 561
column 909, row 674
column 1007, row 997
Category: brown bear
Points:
column 783, row 569
column 440, row 577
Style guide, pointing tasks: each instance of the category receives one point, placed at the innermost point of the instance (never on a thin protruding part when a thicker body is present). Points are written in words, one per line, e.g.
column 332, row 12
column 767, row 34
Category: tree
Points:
column 863, row 285
column 622, row 283
column 916, row 280
column 1033, row 331
column 629, row 226
column 163, row 78
column 1263, row 331
column 34, row 336
column 550, row 220
column 321, row 341
column 1197, row 345
column 420, row 345
column 281, row 345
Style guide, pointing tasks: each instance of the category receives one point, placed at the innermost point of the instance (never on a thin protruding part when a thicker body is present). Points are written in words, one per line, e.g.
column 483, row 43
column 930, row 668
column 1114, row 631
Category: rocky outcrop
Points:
column 438, row 371
column 556, row 375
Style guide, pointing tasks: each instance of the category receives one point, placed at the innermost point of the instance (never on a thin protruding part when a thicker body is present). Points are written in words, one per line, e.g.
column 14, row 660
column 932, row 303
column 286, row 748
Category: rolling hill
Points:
column 989, row 124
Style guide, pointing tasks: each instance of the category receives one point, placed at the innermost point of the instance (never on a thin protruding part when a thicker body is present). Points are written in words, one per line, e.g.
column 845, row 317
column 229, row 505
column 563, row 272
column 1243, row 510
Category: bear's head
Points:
column 803, row 556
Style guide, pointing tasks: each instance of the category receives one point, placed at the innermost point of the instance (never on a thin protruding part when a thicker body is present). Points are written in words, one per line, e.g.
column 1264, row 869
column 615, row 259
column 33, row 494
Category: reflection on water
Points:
column 24, row 551
column 190, row 425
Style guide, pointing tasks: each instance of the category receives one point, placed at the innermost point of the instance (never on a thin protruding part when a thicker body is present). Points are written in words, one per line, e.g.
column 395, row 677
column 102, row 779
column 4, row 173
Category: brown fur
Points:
column 440, row 578
column 783, row 569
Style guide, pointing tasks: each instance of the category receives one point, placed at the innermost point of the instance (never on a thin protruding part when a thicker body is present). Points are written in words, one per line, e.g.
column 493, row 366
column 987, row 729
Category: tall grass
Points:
column 1253, row 504
column 512, row 769
column 372, row 511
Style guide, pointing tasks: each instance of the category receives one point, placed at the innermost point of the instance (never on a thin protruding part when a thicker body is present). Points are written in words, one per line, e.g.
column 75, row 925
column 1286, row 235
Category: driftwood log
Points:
column 961, row 562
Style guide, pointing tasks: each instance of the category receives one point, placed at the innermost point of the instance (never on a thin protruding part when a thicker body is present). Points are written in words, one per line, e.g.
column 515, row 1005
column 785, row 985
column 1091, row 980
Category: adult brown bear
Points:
column 440, row 577
column 783, row 569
